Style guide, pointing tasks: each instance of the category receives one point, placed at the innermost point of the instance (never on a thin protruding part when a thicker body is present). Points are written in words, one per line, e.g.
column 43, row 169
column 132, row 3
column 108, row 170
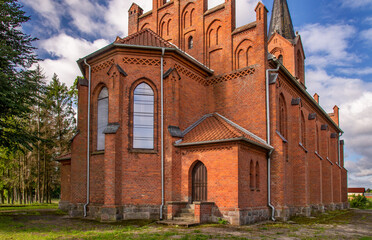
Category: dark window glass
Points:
column 143, row 117
column 191, row 42
column 280, row 59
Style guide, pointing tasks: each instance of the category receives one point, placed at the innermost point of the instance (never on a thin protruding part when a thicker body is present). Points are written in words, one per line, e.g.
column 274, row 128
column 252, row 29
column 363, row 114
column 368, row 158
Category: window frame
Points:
column 131, row 148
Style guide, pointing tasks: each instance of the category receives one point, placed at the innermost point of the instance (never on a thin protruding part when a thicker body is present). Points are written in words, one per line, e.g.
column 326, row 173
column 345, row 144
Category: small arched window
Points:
column 102, row 117
column 280, row 58
column 191, row 42
column 251, row 175
column 249, row 52
column 257, row 176
column 143, row 117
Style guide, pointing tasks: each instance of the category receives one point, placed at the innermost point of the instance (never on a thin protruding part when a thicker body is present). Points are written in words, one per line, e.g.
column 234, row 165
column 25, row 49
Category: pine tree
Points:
column 19, row 87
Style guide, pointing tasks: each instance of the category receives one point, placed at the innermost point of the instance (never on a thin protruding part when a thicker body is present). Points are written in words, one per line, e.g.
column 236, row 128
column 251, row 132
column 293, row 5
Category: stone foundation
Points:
column 284, row 213
column 204, row 212
column 113, row 213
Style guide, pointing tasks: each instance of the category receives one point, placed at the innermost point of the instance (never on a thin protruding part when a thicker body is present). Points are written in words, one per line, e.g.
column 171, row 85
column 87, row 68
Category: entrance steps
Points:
column 186, row 217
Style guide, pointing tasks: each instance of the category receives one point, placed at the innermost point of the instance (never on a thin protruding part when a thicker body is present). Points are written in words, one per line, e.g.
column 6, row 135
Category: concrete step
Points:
column 190, row 206
column 178, row 223
column 185, row 215
column 187, row 210
column 184, row 219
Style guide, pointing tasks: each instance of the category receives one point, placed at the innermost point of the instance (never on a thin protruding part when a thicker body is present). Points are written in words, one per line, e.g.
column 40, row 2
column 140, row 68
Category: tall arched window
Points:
column 102, row 117
column 328, row 145
column 317, row 139
column 251, row 175
column 143, row 117
column 282, row 117
column 303, row 130
column 257, row 176
column 191, row 42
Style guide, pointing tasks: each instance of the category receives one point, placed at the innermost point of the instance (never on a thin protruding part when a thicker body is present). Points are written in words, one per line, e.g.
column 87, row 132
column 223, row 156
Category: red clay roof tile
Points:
column 145, row 37
column 356, row 190
column 215, row 127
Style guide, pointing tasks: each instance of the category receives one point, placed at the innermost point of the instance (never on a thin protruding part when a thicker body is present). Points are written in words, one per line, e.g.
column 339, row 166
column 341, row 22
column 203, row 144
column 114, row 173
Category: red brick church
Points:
column 191, row 118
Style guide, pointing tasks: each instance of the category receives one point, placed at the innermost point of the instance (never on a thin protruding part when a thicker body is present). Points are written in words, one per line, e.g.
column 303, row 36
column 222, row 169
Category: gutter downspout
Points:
column 268, row 141
column 162, row 130
column 88, row 135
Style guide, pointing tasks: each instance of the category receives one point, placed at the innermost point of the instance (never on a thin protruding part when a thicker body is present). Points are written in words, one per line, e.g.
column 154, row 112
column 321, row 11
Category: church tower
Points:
column 283, row 43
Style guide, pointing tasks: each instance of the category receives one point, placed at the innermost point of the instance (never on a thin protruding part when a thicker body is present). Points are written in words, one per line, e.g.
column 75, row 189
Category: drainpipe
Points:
column 268, row 141
column 162, row 130
column 88, row 135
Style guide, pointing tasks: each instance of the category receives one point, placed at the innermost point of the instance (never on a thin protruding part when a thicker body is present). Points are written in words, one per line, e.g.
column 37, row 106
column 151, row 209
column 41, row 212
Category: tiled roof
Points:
column 66, row 156
column 216, row 128
column 356, row 190
column 145, row 37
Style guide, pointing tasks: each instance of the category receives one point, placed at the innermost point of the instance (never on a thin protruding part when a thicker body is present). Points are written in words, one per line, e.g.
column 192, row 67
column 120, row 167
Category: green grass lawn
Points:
column 45, row 221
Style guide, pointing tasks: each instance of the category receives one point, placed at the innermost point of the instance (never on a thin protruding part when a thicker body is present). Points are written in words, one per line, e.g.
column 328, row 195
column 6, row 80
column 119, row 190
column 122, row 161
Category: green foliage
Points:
column 19, row 88
column 59, row 115
column 358, row 201
column 222, row 221
column 73, row 91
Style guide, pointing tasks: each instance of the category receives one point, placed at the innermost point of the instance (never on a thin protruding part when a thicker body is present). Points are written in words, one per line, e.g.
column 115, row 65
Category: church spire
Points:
column 281, row 21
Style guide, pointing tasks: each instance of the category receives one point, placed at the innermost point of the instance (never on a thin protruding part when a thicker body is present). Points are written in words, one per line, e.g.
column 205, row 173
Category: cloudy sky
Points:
column 337, row 37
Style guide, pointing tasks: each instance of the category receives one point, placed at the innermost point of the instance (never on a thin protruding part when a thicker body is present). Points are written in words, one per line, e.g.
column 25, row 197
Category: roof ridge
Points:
column 192, row 126
column 243, row 130
column 145, row 30
column 231, row 128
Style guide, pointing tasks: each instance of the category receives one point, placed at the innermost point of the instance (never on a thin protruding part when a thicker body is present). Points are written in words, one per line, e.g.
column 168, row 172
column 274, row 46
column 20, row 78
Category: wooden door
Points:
column 199, row 182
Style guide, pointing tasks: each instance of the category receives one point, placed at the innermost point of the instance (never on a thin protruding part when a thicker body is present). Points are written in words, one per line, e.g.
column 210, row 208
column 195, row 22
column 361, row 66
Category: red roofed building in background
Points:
column 192, row 119
column 355, row 191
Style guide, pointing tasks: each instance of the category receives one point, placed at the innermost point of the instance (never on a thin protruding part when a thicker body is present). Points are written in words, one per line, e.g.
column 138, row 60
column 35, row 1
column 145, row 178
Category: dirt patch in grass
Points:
column 53, row 224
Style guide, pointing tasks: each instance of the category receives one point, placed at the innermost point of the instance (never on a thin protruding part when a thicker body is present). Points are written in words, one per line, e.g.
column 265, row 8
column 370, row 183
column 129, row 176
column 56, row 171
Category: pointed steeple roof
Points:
column 281, row 21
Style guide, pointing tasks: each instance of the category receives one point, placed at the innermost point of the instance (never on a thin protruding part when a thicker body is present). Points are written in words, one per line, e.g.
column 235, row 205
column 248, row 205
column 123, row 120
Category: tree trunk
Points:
column 38, row 157
column 44, row 178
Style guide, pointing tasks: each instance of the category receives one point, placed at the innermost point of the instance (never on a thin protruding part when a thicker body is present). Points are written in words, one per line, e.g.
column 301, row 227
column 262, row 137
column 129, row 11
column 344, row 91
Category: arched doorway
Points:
column 199, row 182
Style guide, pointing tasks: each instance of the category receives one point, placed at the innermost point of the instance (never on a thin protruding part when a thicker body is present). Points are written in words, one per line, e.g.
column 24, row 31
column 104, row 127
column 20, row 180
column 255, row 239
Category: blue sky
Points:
column 337, row 38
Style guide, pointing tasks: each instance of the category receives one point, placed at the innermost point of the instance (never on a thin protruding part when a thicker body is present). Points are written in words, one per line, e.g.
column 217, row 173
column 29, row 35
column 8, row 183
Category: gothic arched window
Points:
column 317, row 139
column 191, row 42
column 251, row 175
column 143, row 117
column 280, row 58
column 282, row 117
column 102, row 117
column 257, row 176
column 303, row 130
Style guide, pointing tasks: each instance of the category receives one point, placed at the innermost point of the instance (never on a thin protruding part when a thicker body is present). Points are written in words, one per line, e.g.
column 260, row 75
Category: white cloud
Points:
column 48, row 9
column 355, row 71
column 356, row 3
column 245, row 12
column 66, row 50
column 368, row 20
column 367, row 35
column 328, row 45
